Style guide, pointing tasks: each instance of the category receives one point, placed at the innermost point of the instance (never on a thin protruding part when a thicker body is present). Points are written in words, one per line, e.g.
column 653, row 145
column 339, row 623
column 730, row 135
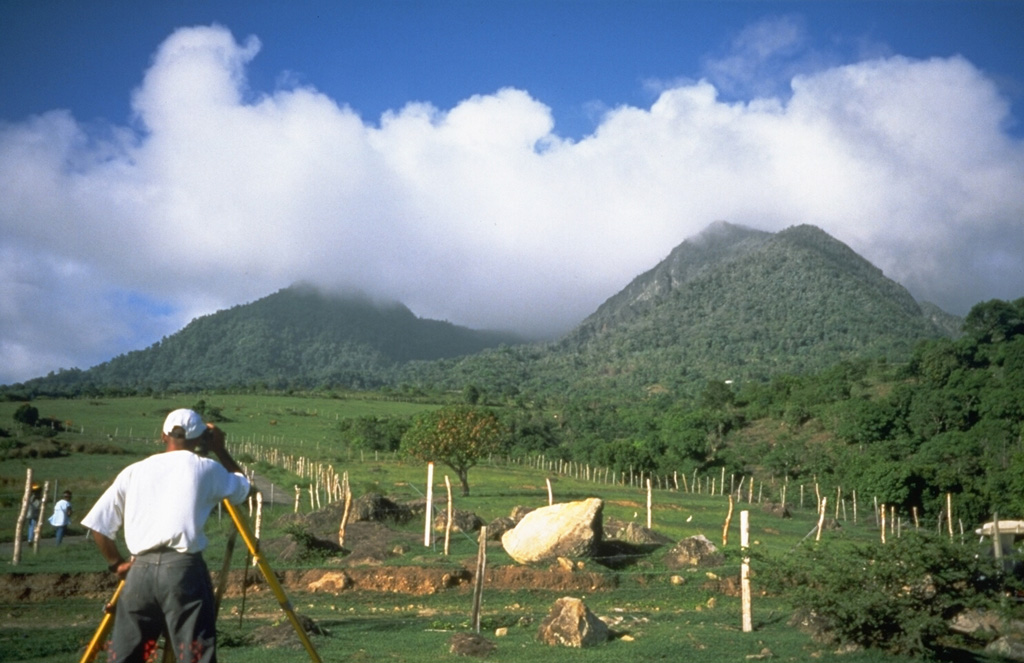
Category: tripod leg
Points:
column 104, row 628
column 168, row 648
column 222, row 581
column 275, row 586
column 245, row 587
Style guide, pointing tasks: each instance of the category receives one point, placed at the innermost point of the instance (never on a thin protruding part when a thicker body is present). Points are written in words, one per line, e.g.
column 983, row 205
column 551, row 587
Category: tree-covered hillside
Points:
column 948, row 422
column 298, row 337
column 731, row 304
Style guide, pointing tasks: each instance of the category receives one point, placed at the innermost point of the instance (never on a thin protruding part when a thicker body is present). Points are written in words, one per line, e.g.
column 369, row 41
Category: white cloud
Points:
column 480, row 214
column 761, row 59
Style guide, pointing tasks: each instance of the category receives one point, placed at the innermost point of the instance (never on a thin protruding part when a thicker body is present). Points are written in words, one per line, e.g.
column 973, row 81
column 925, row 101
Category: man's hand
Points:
column 214, row 439
column 108, row 548
column 121, row 570
column 215, row 442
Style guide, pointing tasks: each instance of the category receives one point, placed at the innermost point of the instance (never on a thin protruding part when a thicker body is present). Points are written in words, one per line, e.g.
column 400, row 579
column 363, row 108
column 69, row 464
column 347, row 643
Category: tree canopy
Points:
column 457, row 436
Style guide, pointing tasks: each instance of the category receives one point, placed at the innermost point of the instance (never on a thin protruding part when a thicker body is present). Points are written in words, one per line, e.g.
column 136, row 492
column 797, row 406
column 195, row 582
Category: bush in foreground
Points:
column 898, row 597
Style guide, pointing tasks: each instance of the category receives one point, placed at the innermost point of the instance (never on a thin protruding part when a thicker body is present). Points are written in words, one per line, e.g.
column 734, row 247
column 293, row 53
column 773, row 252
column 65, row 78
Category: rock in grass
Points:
column 471, row 644
column 571, row 624
column 572, row 529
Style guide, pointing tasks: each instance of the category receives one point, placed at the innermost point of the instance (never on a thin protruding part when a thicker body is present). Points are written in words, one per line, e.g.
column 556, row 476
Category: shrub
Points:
column 27, row 414
column 897, row 597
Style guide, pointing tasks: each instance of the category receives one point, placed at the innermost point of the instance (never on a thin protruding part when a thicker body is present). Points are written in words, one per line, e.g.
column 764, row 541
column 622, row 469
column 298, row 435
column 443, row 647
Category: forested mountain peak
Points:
column 747, row 303
column 298, row 336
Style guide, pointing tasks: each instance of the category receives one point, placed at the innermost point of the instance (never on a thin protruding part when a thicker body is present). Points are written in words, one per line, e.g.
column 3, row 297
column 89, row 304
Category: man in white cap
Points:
column 163, row 503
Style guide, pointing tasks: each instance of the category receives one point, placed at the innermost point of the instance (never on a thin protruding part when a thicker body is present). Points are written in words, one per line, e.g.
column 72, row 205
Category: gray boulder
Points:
column 462, row 521
column 694, row 551
column 1010, row 647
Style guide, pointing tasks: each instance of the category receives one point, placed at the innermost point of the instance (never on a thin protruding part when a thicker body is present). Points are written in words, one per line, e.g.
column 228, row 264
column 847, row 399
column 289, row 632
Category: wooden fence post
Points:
column 19, row 526
column 821, row 518
column 428, row 507
column 38, row 531
column 649, row 503
column 748, row 624
column 448, row 519
column 728, row 521
column 478, row 580
column 949, row 513
column 997, row 547
column 347, row 494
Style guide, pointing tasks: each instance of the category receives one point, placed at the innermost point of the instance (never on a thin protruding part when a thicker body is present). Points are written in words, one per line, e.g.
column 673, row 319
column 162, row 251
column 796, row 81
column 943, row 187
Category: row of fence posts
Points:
column 325, row 487
column 325, row 479
column 325, row 475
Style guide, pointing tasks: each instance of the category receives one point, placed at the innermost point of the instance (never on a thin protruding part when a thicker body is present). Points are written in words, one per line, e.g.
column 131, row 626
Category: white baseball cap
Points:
column 188, row 420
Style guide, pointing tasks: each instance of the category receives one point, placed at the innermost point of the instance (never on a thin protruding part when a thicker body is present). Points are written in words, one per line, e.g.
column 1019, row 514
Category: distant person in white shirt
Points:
column 163, row 503
column 61, row 517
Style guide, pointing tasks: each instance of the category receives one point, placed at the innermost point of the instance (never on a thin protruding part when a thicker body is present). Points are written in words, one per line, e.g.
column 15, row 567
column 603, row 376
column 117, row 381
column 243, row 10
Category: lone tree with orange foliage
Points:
column 457, row 436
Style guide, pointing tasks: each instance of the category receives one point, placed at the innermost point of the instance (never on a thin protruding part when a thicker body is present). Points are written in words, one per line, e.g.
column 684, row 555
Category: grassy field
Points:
column 654, row 617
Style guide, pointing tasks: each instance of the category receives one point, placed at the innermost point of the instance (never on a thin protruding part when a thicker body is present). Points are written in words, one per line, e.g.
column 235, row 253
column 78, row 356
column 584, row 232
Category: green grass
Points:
column 660, row 622
column 663, row 621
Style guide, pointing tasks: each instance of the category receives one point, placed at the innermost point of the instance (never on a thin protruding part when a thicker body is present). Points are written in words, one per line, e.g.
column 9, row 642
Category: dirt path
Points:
column 7, row 549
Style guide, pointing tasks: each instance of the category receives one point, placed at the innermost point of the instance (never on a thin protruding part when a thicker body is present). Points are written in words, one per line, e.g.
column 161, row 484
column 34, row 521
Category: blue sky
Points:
column 495, row 164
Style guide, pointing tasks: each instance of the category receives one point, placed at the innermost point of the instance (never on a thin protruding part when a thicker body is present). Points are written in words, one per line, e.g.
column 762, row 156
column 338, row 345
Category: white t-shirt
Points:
column 165, row 500
column 60, row 515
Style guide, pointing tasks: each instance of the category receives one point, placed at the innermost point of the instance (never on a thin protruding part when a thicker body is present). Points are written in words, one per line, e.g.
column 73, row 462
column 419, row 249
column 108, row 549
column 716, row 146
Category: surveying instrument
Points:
column 241, row 527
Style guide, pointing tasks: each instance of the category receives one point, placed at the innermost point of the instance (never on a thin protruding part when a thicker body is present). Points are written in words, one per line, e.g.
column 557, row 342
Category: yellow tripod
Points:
column 250, row 542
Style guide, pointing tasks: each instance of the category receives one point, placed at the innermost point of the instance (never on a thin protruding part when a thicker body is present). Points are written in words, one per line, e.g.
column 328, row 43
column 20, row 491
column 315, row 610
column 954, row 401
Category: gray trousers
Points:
column 165, row 591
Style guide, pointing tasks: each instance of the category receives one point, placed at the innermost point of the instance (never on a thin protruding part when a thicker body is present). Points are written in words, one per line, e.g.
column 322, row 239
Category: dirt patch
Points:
column 412, row 580
column 339, row 577
column 50, row 586
column 555, row 579
column 361, row 565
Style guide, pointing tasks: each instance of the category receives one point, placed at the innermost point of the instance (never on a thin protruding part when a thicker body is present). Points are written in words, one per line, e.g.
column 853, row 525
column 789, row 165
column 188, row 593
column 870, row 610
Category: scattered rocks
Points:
column 984, row 622
column 519, row 512
column 471, row 644
column 570, row 623
column 283, row 634
column 632, row 532
column 694, row 551
column 462, row 521
column 497, row 527
column 777, row 510
column 334, row 581
column 1010, row 647
column 378, row 508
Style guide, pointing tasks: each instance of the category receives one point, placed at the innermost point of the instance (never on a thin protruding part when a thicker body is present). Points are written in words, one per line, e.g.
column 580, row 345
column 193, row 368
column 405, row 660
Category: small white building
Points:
column 1010, row 532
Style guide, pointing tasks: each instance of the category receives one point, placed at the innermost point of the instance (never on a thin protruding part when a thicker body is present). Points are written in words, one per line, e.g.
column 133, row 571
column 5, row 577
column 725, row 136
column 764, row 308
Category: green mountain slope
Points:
column 736, row 303
column 730, row 304
column 297, row 337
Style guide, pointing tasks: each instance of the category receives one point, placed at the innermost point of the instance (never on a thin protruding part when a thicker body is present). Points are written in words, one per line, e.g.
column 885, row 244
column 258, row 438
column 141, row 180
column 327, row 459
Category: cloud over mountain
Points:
column 480, row 214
